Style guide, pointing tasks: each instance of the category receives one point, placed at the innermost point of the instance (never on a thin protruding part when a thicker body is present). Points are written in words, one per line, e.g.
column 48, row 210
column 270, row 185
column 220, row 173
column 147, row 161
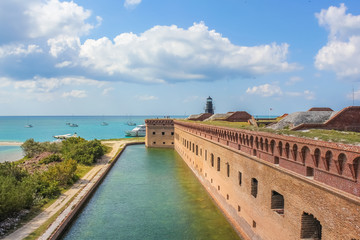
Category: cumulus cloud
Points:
column 146, row 97
column 63, row 43
column 75, row 94
column 170, row 54
column 53, row 18
column 46, row 85
column 265, row 90
column 18, row 50
column 43, row 19
column 131, row 3
column 343, row 48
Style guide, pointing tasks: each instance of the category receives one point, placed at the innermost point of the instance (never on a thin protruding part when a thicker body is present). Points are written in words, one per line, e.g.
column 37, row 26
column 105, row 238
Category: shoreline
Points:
column 9, row 143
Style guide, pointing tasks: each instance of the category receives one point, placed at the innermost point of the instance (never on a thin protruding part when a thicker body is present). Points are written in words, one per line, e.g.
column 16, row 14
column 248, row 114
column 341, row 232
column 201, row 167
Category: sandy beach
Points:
column 11, row 143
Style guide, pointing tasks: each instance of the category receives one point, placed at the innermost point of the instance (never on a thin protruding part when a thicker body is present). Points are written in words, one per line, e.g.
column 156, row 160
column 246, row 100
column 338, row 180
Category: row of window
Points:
column 309, row 226
column 163, row 133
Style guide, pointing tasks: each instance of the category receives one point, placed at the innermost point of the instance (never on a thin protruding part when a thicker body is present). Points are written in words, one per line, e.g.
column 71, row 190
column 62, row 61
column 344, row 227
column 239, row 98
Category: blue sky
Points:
column 142, row 57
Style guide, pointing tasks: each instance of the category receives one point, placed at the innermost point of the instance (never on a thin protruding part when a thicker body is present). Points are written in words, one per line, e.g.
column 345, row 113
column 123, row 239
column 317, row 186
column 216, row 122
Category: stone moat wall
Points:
column 275, row 187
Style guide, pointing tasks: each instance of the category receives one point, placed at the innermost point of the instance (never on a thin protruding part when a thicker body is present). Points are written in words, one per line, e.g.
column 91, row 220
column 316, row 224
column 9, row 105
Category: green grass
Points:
column 317, row 134
column 81, row 170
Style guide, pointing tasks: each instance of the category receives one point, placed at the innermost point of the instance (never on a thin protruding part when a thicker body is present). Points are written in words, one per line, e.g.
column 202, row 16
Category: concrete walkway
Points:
column 82, row 186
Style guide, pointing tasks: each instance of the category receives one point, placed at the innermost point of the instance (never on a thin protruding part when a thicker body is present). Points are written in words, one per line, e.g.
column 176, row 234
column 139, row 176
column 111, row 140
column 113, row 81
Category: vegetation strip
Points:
column 317, row 134
column 76, row 208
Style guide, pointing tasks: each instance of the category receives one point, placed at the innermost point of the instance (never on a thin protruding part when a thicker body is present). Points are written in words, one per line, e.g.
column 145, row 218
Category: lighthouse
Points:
column 209, row 106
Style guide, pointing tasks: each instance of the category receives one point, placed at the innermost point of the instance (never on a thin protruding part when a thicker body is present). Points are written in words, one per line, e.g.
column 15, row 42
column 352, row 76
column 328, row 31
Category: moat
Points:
column 150, row 194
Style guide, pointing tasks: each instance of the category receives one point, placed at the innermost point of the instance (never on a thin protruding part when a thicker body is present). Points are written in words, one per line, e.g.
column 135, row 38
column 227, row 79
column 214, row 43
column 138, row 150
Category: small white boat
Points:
column 104, row 124
column 65, row 136
column 130, row 123
column 73, row 125
column 28, row 126
column 138, row 131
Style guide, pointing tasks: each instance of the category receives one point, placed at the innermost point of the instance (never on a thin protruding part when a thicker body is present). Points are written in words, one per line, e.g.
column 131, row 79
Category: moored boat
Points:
column 138, row 131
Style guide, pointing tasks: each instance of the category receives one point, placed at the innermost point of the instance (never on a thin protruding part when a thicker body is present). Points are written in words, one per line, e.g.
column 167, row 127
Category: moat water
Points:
column 150, row 194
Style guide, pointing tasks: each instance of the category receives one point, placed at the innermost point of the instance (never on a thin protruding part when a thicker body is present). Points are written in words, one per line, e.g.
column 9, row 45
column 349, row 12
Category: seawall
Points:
column 70, row 213
column 275, row 187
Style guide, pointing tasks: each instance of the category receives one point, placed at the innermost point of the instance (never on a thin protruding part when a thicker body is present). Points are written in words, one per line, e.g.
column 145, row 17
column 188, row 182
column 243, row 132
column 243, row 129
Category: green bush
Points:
column 51, row 158
column 32, row 148
column 16, row 190
column 85, row 152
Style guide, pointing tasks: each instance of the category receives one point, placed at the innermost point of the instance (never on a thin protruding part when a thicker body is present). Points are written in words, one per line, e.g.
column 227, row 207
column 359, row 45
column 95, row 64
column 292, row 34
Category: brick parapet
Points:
column 334, row 164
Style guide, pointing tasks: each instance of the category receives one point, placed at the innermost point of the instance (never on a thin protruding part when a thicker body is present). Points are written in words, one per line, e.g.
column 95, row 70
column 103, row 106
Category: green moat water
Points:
column 150, row 194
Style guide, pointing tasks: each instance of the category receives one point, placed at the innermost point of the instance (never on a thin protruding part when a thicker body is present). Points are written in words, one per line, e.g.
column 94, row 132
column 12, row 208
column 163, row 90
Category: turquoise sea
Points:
column 12, row 129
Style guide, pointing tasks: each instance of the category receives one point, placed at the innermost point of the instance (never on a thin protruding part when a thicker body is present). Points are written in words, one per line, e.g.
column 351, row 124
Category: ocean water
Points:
column 12, row 128
column 150, row 194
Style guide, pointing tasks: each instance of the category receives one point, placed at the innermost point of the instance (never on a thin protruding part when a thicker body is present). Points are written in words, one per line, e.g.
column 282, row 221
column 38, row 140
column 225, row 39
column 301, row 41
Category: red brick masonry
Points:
column 334, row 164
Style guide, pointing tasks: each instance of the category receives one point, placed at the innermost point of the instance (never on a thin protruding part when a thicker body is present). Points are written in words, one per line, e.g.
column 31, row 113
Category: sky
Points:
column 142, row 57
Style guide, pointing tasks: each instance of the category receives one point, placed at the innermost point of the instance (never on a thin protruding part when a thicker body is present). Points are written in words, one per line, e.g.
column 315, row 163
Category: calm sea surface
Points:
column 44, row 128
column 150, row 194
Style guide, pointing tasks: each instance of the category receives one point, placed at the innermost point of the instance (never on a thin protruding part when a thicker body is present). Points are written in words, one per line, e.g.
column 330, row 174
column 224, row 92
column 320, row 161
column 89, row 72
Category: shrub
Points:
column 51, row 158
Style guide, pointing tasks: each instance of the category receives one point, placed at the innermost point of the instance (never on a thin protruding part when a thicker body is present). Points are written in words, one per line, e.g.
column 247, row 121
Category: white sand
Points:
column 10, row 143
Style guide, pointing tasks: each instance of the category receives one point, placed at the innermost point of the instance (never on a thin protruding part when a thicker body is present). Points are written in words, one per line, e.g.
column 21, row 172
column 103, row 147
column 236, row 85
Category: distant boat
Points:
column 73, row 125
column 68, row 123
column 104, row 124
column 65, row 136
column 28, row 126
column 138, row 131
column 130, row 123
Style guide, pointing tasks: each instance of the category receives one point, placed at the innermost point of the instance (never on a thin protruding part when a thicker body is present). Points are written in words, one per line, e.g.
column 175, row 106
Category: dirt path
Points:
column 81, row 187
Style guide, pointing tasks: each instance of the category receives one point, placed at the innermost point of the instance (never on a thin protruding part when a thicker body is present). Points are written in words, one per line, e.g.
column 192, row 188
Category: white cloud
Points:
column 53, row 18
column 343, row 48
column 293, row 80
column 47, row 85
column 63, row 43
column 170, row 53
column 146, row 97
column 341, row 26
column 131, row 3
column 63, row 64
column 18, row 50
column 265, row 90
column 75, row 94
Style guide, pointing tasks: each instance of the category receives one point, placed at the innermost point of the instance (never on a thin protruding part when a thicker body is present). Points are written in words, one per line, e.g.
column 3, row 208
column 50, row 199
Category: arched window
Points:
column 305, row 151
column 328, row 159
column 261, row 144
column 272, row 146
column 295, row 151
column 218, row 164
column 310, row 227
column 266, row 145
column 342, row 162
column 287, row 150
column 280, row 147
column 317, row 155
column 356, row 167
column 212, row 160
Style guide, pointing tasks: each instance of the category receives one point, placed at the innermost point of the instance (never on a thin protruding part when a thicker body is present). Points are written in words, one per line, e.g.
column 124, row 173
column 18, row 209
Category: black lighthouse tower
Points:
column 209, row 106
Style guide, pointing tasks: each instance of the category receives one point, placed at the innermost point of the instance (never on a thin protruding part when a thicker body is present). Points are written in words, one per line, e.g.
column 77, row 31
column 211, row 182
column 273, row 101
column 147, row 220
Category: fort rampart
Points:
column 273, row 186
